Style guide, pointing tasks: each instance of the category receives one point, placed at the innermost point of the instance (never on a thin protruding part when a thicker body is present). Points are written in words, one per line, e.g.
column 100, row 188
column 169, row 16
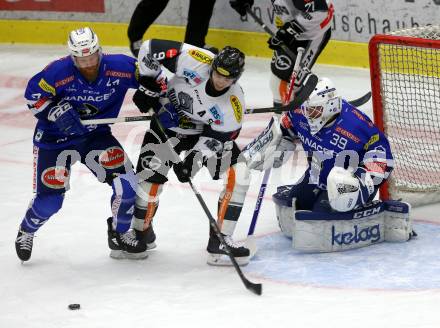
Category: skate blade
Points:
column 121, row 255
column 224, row 260
column 151, row 246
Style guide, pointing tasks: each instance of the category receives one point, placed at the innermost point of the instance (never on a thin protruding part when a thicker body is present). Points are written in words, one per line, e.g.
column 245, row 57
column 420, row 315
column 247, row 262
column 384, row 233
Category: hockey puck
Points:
column 74, row 306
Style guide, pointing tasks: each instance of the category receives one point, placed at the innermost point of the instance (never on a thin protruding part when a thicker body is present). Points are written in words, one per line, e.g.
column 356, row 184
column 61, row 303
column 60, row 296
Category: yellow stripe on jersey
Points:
column 46, row 87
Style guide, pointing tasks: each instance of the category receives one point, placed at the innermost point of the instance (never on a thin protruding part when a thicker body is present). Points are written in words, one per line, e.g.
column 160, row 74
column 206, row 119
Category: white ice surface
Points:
column 175, row 287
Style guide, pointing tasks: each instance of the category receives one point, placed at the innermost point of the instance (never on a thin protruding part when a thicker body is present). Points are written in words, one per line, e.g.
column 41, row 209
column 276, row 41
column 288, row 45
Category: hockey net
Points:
column 405, row 80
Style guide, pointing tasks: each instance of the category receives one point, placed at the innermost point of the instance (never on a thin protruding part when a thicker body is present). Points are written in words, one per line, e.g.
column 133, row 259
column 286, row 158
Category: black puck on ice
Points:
column 74, row 306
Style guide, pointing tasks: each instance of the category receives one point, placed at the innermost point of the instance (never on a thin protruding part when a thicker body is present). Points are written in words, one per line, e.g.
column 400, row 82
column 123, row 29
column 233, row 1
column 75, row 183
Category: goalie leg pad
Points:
column 335, row 231
column 285, row 206
column 398, row 222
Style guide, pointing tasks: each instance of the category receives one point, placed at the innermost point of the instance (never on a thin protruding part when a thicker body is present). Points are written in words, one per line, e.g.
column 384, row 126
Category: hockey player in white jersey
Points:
column 202, row 111
column 300, row 23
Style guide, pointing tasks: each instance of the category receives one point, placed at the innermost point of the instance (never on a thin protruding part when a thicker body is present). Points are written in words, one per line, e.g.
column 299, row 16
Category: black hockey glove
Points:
column 147, row 95
column 67, row 119
column 189, row 167
column 241, row 5
column 287, row 35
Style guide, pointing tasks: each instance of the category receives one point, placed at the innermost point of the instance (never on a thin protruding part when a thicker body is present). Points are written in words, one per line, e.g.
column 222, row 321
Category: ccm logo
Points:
column 366, row 213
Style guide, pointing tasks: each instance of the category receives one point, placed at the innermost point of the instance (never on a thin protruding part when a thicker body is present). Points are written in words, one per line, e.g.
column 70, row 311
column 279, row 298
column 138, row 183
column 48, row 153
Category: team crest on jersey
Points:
column 55, row 177
column 112, row 158
column 238, row 109
column 88, row 110
column 200, row 56
column 46, row 86
column 217, row 114
column 192, row 75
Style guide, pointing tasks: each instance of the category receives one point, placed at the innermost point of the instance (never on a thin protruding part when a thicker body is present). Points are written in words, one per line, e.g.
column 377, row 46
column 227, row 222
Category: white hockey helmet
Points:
column 322, row 104
column 83, row 42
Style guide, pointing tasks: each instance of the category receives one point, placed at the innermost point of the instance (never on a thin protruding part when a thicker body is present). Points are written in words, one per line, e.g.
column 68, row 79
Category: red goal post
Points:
column 405, row 82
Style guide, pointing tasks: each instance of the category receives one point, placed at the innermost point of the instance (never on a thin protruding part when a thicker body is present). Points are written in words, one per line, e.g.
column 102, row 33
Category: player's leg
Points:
column 282, row 66
column 199, row 15
column 230, row 204
column 105, row 157
column 144, row 15
column 50, row 181
column 152, row 169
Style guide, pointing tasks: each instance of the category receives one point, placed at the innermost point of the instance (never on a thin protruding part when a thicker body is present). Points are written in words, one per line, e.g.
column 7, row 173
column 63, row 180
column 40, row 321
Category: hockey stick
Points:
column 355, row 102
column 251, row 239
column 117, row 120
column 253, row 287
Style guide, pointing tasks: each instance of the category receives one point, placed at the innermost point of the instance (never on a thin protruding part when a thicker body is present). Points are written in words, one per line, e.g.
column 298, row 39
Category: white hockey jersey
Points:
column 314, row 16
column 186, row 91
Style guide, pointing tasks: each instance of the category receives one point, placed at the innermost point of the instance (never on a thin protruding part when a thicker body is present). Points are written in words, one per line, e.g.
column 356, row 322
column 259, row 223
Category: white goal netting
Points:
column 409, row 71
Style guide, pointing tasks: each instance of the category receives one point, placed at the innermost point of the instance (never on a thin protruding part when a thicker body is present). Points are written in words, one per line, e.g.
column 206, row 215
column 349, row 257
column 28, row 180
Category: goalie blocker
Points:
column 314, row 231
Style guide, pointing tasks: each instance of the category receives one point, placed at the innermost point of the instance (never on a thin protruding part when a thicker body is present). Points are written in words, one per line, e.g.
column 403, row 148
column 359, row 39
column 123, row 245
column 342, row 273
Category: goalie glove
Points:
column 287, row 35
column 347, row 190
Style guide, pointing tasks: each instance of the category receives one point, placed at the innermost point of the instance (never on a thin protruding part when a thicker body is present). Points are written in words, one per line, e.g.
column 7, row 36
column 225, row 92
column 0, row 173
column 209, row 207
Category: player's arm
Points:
column 46, row 104
column 153, row 55
column 360, row 184
column 311, row 20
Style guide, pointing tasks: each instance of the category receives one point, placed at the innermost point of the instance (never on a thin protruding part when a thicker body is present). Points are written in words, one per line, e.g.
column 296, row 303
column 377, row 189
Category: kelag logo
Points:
column 371, row 233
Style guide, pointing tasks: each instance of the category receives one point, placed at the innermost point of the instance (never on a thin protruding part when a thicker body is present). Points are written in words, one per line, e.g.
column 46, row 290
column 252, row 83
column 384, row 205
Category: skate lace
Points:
column 129, row 238
column 231, row 243
column 26, row 240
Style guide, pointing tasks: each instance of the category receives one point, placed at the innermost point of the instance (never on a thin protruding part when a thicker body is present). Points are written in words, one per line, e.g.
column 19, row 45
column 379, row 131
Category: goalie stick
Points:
column 302, row 95
column 253, row 287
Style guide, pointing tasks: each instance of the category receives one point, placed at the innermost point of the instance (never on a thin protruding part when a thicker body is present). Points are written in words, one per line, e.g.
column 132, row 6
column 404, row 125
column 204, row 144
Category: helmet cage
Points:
column 322, row 105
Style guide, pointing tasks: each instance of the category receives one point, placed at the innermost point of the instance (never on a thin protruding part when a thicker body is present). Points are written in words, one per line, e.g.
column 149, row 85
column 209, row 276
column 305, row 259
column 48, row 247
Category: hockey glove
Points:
column 286, row 35
column 67, row 119
column 168, row 116
column 147, row 95
column 189, row 167
column 241, row 5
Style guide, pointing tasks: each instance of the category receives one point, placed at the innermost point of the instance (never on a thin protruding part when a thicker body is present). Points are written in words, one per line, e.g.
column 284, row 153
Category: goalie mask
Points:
column 322, row 105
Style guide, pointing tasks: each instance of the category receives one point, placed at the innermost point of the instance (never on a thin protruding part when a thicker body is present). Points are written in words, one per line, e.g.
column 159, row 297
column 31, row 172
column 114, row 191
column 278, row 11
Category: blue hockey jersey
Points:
column 351, row 141
column 61, row 80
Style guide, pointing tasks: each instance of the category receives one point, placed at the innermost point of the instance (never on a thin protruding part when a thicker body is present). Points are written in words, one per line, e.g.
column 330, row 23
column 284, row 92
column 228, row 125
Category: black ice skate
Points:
column 125, row 245
column 23, row 244
column 218, row 256
column 148, row 237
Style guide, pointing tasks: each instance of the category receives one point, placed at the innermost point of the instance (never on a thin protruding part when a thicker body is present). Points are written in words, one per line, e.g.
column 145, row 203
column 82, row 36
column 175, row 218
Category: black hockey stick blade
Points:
column 254, row 288
column 360, row 101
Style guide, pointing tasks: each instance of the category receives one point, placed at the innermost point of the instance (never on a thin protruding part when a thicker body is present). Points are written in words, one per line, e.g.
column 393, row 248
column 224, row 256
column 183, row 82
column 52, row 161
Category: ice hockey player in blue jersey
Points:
column 349, row 159
column 86, row 84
